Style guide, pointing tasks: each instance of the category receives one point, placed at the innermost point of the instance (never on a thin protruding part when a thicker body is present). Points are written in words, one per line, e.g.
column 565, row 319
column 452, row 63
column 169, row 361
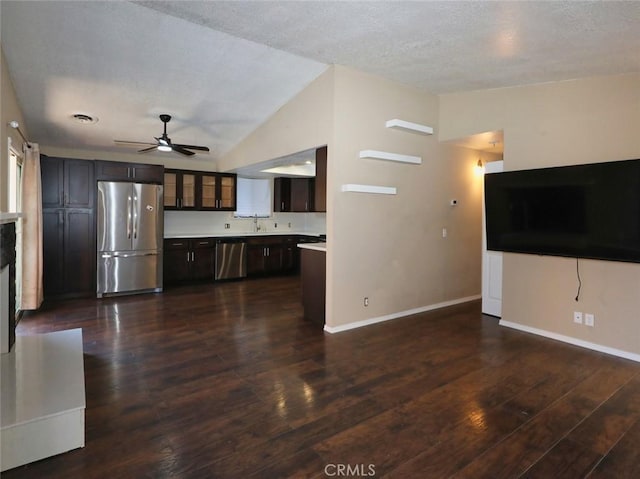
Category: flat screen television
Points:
column 581, row 211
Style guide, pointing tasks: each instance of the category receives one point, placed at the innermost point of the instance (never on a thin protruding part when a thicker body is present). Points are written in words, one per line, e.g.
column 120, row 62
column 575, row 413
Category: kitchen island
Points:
column 313, row 276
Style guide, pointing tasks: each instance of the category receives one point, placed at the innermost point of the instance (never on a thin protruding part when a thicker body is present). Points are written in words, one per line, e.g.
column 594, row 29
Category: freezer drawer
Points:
column 129, row 272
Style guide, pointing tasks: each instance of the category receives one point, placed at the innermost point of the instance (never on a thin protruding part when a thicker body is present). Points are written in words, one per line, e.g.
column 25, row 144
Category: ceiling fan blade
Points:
column 144, row 150
column 127, row 142
column 180, row 149
column 192, row 147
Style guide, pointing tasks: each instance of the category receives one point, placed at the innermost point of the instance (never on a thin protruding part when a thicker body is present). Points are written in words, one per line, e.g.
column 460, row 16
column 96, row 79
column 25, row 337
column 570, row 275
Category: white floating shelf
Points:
column 380, row 190
column 410, row 127
column 383, row 155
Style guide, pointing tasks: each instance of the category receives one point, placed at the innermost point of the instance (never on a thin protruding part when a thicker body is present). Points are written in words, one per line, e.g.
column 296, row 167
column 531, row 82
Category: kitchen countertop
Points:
column 238, row 234
column 314, row 246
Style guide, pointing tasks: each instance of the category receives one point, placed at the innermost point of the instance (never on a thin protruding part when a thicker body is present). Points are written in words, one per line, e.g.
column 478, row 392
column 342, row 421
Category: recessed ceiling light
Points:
column 84, row 119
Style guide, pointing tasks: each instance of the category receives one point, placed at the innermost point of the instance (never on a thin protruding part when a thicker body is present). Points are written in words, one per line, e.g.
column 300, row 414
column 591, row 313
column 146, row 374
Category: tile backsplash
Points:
column 213, row 222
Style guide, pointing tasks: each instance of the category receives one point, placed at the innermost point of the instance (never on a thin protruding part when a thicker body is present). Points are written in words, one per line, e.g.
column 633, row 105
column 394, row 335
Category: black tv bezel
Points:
column 631, row 256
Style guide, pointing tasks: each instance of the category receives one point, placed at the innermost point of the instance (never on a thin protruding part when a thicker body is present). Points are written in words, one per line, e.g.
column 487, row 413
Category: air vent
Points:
column 84, row 119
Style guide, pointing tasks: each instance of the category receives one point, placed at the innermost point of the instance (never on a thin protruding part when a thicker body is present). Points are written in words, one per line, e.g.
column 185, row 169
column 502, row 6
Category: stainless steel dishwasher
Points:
column 231, row 258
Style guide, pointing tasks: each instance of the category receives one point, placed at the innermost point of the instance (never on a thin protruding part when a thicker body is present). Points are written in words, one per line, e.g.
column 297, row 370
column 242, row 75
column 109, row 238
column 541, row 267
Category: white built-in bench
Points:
column 42, row 401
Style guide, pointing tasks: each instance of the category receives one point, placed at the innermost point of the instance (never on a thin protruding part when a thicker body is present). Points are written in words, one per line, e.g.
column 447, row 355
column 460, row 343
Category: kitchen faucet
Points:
column 256, row 226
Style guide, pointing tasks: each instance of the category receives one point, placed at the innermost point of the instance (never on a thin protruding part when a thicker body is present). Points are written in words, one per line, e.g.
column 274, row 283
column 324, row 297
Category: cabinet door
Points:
column 180, row 188
column 141, row 173
column 273, row 259
column 176, row 265
column 281, row 194
column 187, row 190
column 79, row 184
column 79, row 251
column 113, row 171
column 52, row 176
column 52, row 254
column 207, row 188
column 255, row 260
column 290, row 254
column 227, row 192
column 300, row 194
column 170, row 189
column 203, row 263
column 289, row 258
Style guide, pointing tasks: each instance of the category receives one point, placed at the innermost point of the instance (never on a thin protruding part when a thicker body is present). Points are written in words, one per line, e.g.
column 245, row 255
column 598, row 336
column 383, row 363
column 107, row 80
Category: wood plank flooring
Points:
column 228, row 381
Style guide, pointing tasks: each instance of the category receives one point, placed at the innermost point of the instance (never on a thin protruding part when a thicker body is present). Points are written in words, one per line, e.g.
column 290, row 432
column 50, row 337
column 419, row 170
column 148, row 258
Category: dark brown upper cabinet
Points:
column 303, row 194
column 199, row 190
column 293, row 195
column 133, row 172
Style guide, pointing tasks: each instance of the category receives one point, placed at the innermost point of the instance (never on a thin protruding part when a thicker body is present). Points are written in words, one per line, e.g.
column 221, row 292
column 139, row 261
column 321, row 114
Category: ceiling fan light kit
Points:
column 163, row 143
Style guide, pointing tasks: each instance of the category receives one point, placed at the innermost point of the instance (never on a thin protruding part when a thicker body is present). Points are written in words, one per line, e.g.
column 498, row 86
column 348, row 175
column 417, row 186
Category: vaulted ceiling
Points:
column 223, row 68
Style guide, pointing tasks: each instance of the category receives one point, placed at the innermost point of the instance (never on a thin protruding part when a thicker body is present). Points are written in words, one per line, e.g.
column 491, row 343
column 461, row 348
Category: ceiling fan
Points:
column 163, row 143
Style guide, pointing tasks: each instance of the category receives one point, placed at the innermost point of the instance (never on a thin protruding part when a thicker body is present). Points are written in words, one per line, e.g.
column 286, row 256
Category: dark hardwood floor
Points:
column 228, row 381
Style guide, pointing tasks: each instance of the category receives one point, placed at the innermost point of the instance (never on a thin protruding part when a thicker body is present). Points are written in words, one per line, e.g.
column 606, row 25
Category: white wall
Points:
column 564, row 123
column 390, row 248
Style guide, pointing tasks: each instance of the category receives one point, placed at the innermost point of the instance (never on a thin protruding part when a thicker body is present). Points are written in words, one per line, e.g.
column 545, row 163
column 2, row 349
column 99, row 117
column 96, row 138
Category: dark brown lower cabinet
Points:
column 68, row 227
column 193, row 259
column 69, row 256
column 313, row 275
column 264, row 259
column 190, row 259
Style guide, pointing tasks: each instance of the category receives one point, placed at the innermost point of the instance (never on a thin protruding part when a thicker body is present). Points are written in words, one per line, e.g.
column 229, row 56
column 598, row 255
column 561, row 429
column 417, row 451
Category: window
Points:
column 254, row 197
column 15, row 178
column 15, row 195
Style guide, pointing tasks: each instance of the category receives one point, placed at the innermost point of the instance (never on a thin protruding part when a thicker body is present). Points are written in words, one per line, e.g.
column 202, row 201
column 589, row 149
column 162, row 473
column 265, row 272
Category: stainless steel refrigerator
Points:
column 130, row 232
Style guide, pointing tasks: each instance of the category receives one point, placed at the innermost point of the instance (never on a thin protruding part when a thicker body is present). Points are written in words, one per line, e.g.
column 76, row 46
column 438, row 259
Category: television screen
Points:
column 582, row 211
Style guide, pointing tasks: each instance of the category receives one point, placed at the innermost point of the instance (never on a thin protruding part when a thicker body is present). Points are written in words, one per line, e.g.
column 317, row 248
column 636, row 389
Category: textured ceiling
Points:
column 222, row 68
column 126, row 64
column 440, row 46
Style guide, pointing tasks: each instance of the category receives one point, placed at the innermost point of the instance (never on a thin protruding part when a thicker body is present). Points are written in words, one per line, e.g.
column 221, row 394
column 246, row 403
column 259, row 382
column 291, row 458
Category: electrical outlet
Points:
column 366, row 301
column 444, row 232
column 577, row 317
column 289, row 225
column 275, row 225
column 589, row 320
column 227, row 226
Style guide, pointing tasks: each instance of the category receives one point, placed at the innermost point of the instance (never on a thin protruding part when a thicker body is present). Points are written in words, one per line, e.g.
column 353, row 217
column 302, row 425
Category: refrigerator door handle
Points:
column 135, row 217
column 129, row 217
column 126, row 255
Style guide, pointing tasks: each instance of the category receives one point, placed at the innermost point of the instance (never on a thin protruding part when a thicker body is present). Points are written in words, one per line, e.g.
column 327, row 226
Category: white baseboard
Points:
column 568, row 339
column 400, row 314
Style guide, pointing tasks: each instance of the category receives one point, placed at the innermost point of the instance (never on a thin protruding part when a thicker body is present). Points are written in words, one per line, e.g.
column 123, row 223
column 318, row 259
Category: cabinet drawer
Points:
column 203, row 243
column 264, row 240
column 176, row 244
